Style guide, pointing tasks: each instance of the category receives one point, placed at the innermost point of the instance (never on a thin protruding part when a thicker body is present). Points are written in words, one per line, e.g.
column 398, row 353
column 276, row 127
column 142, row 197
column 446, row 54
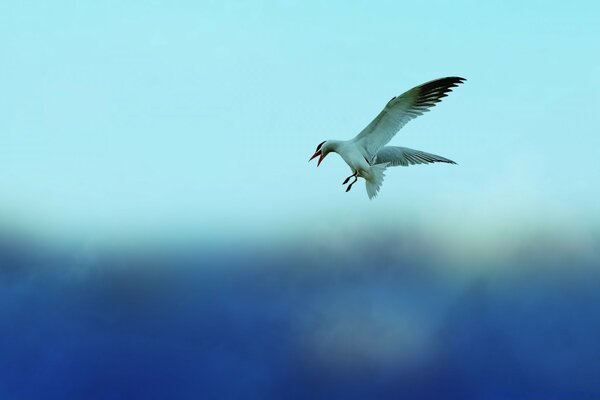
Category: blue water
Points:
column 280, row 324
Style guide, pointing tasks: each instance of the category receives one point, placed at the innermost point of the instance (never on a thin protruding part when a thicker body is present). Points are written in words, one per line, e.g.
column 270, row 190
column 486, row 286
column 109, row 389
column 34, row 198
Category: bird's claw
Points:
column 348, row 178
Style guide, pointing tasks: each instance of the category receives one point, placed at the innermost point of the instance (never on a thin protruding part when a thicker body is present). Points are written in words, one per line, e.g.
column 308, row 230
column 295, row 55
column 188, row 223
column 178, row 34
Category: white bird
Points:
column 366, row 154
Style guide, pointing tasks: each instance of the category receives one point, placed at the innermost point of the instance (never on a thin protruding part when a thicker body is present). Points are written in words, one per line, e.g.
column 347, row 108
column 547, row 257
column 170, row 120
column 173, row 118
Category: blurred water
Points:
column 366, row 320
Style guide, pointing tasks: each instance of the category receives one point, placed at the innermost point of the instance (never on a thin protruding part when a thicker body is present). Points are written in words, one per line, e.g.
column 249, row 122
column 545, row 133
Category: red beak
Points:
column 320, row 159
column 318, row 153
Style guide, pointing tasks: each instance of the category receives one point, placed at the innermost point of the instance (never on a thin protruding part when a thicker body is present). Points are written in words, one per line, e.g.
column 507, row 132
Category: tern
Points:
column 367, row 154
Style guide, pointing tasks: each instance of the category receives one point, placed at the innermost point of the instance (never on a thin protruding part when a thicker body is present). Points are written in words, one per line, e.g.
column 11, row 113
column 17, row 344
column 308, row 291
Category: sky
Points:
column 201, row 116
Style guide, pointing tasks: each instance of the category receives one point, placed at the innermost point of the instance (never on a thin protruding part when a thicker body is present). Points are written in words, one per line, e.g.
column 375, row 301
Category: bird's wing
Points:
column 399, row 110
column 404, row 156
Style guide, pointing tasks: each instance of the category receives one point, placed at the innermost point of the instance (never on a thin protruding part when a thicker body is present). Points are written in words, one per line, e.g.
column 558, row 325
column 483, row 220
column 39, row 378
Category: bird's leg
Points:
column 351, row 176
column 352, row 183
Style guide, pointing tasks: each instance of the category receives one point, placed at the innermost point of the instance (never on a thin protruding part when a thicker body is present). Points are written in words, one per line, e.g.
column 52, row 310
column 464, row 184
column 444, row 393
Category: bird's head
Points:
column 323, row 149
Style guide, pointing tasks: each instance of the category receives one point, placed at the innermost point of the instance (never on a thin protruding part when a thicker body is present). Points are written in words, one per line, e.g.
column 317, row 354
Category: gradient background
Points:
column 162, row 235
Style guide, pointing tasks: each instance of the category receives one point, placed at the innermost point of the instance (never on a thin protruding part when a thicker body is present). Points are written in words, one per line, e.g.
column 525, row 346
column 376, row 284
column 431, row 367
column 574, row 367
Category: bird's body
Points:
column 353, row 154
column 366, row 154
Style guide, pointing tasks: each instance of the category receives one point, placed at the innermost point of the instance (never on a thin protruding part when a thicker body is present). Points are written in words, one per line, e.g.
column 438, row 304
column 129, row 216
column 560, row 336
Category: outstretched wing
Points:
column 402, row 109
column 404, row 156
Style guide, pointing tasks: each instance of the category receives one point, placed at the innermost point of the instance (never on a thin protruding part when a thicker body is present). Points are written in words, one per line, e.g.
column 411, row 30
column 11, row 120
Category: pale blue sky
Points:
column 205, row 113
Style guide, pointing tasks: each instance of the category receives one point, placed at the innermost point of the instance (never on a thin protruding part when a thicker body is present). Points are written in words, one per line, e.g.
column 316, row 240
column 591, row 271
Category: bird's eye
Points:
column 320, row 145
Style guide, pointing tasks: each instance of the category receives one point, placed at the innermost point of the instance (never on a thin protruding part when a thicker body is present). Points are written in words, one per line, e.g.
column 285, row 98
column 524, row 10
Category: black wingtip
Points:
column 451, row 81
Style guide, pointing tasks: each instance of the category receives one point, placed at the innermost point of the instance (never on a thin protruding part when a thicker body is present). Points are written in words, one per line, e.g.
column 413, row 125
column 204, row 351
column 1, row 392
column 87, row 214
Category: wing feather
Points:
column 401, row 109
column 404, row 156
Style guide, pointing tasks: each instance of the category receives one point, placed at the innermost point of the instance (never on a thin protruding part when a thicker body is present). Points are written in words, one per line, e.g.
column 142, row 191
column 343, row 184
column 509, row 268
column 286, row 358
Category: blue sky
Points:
column 202, row 115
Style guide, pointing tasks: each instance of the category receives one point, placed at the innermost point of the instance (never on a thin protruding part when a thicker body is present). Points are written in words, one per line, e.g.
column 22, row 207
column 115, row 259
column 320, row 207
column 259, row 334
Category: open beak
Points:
column 318, row 153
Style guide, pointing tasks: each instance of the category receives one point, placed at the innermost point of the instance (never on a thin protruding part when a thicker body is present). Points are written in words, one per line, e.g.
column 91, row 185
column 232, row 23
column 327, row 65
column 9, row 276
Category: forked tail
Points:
column 374, row 181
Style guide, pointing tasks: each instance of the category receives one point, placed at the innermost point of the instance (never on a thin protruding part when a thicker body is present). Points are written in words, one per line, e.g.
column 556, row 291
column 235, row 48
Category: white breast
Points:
column 353, row 156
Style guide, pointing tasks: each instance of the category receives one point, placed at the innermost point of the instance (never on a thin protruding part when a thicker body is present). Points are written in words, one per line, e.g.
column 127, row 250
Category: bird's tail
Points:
column 375, row 179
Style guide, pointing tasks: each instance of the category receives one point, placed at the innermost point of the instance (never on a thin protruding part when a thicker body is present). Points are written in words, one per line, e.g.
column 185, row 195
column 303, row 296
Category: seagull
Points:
column 367, row 154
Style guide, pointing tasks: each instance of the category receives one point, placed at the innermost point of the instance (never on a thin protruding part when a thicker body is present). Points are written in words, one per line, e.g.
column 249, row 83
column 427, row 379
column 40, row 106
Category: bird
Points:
column 367, row 154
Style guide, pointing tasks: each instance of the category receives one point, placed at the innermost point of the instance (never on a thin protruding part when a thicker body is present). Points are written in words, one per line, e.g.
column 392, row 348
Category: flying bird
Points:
column 367, row 154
